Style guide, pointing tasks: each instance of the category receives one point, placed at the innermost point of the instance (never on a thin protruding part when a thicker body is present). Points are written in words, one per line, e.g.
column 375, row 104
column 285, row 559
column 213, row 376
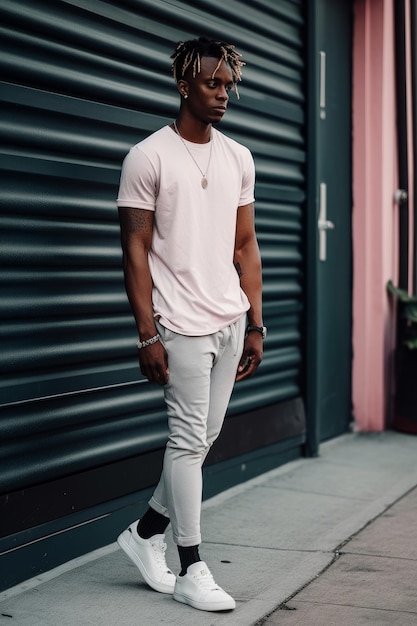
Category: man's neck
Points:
column 193, row 130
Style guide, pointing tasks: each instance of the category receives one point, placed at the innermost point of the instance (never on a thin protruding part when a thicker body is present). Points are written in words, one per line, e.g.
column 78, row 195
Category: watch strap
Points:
column 259, row 329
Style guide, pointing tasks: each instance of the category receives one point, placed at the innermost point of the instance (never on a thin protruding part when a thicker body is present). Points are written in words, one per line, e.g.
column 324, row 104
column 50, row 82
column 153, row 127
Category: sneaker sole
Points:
column 226, row 605
column 157, row 586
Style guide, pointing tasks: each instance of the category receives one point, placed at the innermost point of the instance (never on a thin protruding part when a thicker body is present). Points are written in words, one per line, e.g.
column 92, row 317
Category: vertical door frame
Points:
column 312, row 207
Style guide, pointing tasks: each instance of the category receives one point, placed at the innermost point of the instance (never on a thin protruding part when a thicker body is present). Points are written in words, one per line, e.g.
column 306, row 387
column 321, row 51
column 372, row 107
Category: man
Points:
column 193, row 278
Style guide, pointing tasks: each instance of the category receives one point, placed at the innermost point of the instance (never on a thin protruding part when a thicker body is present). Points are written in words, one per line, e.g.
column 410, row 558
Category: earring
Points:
column 185, row 96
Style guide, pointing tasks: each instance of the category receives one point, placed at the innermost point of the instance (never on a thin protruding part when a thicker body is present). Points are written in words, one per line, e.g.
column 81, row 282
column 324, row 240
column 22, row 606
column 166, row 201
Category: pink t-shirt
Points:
column 196, row 289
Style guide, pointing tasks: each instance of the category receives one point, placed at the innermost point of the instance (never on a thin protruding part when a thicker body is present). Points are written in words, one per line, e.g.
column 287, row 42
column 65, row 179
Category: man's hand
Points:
column 251, row 356
column 153, row 361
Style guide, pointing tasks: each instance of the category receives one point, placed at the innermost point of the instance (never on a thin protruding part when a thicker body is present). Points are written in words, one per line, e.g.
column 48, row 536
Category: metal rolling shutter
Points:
column 82, row 81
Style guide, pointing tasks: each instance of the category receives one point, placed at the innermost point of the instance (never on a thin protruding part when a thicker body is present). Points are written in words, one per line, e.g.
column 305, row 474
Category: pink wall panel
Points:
column 374, row 211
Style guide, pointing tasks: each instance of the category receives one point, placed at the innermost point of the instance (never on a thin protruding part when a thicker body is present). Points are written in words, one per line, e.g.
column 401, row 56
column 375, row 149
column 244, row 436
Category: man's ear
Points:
column 182, row 87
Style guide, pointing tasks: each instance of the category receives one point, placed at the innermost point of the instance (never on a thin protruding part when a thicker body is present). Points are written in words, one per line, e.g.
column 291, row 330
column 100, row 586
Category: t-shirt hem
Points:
column 199, row 332
column 245, row 201
column 134, row 204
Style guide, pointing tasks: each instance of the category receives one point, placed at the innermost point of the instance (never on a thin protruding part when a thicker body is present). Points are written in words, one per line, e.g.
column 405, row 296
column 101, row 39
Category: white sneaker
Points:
column 149, row 557
column 198, row 589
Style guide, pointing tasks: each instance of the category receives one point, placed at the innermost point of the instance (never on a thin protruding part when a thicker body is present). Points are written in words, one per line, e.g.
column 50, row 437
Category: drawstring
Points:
column 233, row 333
column 229, row 333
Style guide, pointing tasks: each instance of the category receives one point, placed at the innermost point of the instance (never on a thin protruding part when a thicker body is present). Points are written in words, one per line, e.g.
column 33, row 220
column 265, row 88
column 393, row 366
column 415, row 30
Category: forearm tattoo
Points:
column 135, row 220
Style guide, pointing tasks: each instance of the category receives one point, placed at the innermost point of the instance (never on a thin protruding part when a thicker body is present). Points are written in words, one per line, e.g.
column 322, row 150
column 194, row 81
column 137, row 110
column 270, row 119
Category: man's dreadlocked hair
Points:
column 188, row 55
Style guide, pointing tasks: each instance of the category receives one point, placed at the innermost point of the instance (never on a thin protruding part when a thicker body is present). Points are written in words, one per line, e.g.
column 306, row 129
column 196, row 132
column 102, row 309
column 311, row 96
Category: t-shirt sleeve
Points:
column 247, row 194
column 138, row 184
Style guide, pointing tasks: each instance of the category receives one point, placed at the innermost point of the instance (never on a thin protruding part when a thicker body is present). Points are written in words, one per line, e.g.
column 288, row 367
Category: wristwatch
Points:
column 259, row 329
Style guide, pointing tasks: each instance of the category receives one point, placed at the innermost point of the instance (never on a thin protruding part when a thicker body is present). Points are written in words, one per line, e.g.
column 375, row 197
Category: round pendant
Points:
column 204, row 182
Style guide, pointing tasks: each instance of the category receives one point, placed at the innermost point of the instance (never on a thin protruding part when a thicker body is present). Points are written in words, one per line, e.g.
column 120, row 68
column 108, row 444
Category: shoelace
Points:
column 159, row 547
column 205, row 580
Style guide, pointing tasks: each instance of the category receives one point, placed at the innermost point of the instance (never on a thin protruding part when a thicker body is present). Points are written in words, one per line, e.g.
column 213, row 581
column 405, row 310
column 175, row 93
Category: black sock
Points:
column 188, row 556
column 152, row 523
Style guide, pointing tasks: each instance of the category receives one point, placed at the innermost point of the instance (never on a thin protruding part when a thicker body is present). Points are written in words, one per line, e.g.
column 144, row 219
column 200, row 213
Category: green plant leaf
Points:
column 410, row 312
column 401, row 294
column 411, row 344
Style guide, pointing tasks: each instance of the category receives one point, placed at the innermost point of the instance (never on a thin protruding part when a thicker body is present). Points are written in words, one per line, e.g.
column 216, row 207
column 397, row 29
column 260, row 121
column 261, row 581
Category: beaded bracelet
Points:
column 148, row 342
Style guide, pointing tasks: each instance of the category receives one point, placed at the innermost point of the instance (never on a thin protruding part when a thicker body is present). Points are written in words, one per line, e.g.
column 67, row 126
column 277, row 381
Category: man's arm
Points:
column 136, row 226
column 247, row 260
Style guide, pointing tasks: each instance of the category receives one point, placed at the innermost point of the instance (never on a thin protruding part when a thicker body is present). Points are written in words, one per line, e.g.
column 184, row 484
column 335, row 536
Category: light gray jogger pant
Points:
column 201, row 379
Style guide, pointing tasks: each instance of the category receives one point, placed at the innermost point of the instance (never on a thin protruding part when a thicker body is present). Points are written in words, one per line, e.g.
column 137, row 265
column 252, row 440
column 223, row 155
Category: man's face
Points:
column 208, row 95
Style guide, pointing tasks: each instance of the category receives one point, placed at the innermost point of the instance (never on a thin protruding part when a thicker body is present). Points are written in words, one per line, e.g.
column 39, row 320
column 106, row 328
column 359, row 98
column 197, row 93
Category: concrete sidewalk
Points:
column 285, row 531
column 373, row 579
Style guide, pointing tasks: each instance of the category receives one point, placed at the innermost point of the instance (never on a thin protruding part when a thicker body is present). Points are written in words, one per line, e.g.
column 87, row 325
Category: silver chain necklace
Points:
column 204, row 181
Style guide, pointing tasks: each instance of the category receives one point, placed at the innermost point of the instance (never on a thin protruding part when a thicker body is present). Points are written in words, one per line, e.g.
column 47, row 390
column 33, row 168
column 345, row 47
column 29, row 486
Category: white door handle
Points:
column 323, row 223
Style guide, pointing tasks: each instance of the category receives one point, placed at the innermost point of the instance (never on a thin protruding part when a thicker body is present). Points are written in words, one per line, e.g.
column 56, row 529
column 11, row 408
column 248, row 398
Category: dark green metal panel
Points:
column 329, row 317
column 82, row 81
